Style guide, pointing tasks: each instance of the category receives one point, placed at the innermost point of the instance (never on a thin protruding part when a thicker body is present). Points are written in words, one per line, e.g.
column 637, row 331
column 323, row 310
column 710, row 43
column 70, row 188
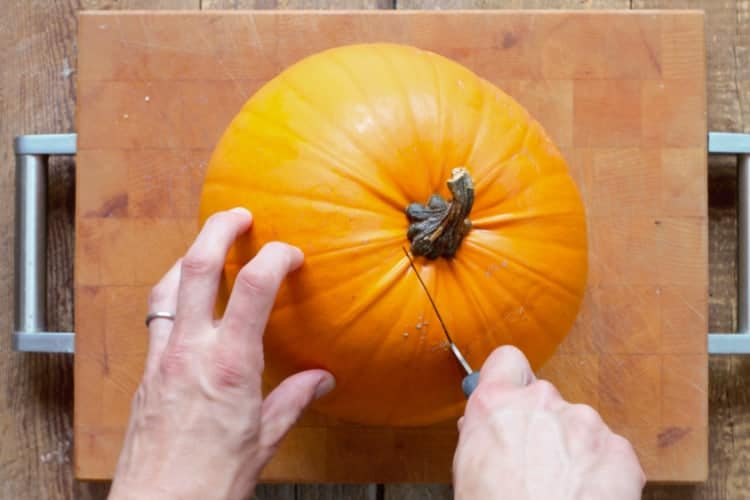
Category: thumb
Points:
column 507, row 366
column 285, row 404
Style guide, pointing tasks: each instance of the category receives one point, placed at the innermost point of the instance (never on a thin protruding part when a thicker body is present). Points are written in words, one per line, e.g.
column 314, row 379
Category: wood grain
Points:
column 35, row 402
column 296, row 4
column 513, row 4
column 160, row 95
column 28, row 36
column 37, row 96
column 727, row 43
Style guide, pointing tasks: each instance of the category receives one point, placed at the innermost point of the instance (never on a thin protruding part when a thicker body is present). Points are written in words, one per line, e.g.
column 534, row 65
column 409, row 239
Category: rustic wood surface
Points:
column 35, row 402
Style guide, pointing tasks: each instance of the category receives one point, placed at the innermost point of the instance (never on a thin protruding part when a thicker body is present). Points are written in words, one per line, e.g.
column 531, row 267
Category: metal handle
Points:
column 736, row 144
column 30, row 327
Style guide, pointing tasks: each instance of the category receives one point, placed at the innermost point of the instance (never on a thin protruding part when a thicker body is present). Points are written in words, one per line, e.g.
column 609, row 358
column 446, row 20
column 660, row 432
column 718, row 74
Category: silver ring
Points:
column 164, row 315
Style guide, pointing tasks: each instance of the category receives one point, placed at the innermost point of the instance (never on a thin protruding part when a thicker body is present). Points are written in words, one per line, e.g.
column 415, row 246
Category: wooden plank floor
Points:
column 37, row 92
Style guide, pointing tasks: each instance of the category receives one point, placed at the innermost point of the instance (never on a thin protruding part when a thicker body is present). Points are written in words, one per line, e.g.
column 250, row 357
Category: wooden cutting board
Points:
column 622, row 94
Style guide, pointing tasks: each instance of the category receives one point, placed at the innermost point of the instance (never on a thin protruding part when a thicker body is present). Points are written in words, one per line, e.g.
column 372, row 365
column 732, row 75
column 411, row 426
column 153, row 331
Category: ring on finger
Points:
column 159, row 314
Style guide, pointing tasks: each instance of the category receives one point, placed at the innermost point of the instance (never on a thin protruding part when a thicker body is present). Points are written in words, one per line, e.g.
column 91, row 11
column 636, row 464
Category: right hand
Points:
column 519, row 439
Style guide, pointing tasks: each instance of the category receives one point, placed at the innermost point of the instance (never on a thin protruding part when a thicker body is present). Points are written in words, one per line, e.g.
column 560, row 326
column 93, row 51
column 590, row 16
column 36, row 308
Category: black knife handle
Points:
column 470, row 383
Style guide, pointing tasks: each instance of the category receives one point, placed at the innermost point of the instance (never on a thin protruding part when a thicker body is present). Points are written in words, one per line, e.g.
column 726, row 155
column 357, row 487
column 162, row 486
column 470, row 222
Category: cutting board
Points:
column 622, row 94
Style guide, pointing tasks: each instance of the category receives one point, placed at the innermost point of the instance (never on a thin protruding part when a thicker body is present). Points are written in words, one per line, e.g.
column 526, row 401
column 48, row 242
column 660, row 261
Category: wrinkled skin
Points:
column 519, row 439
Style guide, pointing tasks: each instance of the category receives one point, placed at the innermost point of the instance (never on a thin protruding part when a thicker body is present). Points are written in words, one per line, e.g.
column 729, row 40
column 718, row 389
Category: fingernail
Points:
column 240, row 210
column 325, row 386
column 300, row 253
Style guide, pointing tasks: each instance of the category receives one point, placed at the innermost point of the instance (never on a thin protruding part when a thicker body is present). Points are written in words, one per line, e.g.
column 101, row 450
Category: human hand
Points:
column 519, row 439
column 199, row 426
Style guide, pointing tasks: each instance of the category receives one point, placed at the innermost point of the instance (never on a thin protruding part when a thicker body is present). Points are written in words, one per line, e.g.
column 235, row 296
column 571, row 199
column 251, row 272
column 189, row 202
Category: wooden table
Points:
column 37, row 96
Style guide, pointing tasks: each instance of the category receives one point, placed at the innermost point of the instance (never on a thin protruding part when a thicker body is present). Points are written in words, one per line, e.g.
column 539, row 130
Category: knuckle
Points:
column 587, row 416
column 544, row 391
column 621, row 445
column 193, row 265
column 230, row 369
column 488, row 396
column 158, row 295
column 174, row 362
column 258, row 281
column 483, row 399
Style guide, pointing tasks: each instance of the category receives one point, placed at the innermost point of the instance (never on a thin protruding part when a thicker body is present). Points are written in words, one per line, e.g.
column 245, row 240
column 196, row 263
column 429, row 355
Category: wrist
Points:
column 129, row 489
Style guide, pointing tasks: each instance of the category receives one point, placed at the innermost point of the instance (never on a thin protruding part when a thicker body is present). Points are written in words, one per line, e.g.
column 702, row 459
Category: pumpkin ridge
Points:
column 383, row 347
column 433, row 58
column 478, row 125
column 226, row 182
column 406, row 100
column 334, row 288
column 374, row 160
column 534, row 318
column 530, row 270
column 501, row 220
column 343, row 251
column 558, row 247
column 380, row 343
column 479, row 214
column 495, row 168
column 344, row 169
column 529, row 185
column 479, row 131
column 470, row 290
column 383, row 130
column 378, row 288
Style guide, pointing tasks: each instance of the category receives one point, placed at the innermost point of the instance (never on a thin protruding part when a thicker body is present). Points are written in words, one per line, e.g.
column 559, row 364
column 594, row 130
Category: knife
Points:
column 471, row 380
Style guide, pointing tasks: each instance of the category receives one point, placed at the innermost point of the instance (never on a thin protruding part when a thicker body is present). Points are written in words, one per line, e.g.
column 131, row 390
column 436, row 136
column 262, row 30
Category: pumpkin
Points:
column 357, row 152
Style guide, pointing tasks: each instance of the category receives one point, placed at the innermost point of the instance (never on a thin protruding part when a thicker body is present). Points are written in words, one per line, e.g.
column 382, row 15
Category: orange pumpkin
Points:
column 328, row 156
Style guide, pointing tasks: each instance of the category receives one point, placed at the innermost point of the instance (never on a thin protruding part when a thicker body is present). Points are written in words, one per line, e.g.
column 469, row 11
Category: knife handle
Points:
column 470, row 383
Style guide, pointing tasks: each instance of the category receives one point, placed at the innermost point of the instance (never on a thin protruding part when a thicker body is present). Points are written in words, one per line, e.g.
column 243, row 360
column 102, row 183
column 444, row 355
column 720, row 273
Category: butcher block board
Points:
column 622, row 94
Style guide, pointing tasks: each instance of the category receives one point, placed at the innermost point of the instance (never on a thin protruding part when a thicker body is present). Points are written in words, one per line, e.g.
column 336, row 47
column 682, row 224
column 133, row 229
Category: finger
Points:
column 505, row 372
column 283, row 407
column 203, row 264
column 507, row 366
column 254, row 293
column 163, row 298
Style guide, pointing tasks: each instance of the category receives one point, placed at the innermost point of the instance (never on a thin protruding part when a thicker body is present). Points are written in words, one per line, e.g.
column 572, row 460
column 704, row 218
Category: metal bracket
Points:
column 739, row 145
column 30, row 323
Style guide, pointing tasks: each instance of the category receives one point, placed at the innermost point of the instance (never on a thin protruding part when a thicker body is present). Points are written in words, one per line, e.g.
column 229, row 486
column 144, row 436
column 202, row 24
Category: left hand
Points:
column 199, row 426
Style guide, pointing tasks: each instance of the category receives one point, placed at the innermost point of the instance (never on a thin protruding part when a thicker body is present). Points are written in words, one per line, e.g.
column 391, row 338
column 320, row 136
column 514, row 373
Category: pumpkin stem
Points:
column 437, row 228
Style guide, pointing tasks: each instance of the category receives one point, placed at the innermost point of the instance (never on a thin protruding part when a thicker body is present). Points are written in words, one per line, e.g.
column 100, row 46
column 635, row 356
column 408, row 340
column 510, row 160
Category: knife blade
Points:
column 471, row 380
